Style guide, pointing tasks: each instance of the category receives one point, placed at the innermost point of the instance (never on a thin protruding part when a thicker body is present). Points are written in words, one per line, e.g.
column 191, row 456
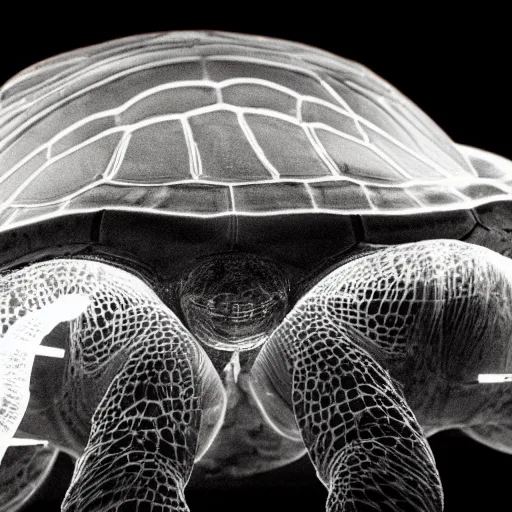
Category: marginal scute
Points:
column 434, row 195
column 481, row 191
column 399, row 229
column 385, row 199
column 339, row 196
column 181, row 199
column 282, row 196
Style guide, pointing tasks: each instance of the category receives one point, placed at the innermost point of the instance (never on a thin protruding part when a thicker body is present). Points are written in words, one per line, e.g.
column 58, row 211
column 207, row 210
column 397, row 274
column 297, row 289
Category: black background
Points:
column 455, row 66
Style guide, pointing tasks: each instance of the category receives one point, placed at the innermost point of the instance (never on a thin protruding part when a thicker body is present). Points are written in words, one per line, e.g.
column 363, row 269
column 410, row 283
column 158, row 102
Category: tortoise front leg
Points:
column 135, row 380
column 145, row 432
column 436, row 314
column 362, row 437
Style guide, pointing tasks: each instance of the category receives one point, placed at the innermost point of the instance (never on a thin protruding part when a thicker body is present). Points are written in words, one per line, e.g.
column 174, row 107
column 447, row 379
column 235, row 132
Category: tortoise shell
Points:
column 214, row 141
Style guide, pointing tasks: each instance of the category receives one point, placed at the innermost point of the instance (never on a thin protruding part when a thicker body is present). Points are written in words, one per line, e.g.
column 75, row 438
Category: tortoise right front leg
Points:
column 437, row 314
column 330, row 377
column 362, row 437
column 160, row 402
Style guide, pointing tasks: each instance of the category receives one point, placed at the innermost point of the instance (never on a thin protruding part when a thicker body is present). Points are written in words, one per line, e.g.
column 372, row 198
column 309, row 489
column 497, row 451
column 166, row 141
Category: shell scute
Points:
column 435, row 196
column 212, row 133
column 183, row 198
column 258, row 96
column 13, row 181
column 295, row 159
column 87, row 163
column 320, row 115
column 332, row 195
column 410, row 162
column 282, row 196
column 390, row 198
column 80, row 134
column 295, row 81
column 156, row 153
column 266, row 127
column 356, row 160
column 481, row 190
column 396, row 122
column 166, row 102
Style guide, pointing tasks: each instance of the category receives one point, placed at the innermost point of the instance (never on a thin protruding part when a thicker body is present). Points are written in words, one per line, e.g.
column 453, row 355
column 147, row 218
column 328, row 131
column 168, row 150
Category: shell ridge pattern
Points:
column 384, row 104
column 285, row 117
column 342, row 102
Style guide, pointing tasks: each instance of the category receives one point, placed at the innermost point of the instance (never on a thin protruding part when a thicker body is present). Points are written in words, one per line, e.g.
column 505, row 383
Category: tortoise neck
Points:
column 232, row 301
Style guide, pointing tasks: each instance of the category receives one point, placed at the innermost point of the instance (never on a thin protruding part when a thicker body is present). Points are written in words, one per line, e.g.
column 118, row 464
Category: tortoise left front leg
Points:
column 146, row 430
column 155, row 399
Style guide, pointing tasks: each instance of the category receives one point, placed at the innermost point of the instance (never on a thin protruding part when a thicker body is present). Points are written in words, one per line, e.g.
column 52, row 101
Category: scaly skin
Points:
column 435, row 314
column 147, row 427
column 361, row 435
column 143, row 441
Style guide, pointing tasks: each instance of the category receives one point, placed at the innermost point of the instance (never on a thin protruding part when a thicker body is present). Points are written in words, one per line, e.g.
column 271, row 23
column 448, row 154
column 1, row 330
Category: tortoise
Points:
column 246, row 250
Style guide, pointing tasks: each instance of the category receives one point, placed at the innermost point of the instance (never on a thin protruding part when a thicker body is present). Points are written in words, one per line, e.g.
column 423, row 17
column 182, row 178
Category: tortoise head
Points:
column 234, row 300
